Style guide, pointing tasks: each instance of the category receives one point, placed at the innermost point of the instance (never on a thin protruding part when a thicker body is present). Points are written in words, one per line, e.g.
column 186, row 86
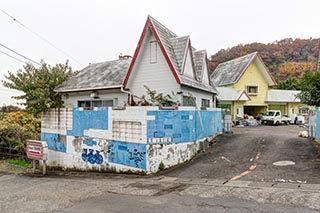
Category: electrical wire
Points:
column 12, row 57
column 39, row 36
column 19, row 54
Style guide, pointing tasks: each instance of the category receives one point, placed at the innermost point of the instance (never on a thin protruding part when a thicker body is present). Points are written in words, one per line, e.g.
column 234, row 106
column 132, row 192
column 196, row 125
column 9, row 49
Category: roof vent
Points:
column 94, row 95
column 124, row 56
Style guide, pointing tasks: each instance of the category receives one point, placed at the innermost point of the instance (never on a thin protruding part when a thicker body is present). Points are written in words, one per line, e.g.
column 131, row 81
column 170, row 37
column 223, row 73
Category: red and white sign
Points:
column 36, row 149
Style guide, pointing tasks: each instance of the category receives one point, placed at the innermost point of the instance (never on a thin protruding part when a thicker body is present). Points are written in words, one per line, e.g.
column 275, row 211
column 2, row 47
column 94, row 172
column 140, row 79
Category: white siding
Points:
column 205, row 78
column 157, row 76
column 71, row 100
column 198, row 94
column 188, row 68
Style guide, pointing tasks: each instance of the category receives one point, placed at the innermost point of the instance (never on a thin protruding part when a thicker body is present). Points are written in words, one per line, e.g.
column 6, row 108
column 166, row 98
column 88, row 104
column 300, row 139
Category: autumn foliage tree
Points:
column 38, row 85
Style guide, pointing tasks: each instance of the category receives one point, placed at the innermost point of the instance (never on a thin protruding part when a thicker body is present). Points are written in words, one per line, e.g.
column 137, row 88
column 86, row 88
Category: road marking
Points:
column 252, row 167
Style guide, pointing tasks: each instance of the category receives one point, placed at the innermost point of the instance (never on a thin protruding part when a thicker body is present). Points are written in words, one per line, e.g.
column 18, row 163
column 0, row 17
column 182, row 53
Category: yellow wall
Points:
column 253, row 77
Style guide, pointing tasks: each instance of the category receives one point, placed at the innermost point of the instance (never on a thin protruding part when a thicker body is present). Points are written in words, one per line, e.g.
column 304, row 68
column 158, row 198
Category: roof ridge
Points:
column 241, row 57
column 166, row 28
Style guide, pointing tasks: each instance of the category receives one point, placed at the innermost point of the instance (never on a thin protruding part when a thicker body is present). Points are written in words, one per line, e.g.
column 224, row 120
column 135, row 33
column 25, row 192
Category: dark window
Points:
column 95, row 103
column 205, row 103
column 303, row 110
column 188, row 101
column 153, row 52
column 252, row 90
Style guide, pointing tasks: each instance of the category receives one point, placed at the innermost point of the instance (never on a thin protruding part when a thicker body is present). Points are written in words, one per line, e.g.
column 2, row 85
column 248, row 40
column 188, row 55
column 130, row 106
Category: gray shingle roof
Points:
column 275, row 95
column 199, row 58
column 229, row 72
column 97, row 76
column 180, row 45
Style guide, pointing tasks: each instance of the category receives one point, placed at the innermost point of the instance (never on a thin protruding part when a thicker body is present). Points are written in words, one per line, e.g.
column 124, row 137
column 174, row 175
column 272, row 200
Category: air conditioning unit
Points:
column 94, row 95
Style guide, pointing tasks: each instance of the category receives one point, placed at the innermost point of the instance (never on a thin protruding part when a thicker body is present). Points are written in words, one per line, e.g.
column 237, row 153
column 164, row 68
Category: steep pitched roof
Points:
column 276, row 95
column 103, row 75
column 174, row 49
column 231, row 71
column 230, row 94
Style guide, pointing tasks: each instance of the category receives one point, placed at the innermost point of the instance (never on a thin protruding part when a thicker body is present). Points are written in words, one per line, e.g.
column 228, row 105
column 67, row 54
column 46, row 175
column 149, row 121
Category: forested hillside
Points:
column 284, row 58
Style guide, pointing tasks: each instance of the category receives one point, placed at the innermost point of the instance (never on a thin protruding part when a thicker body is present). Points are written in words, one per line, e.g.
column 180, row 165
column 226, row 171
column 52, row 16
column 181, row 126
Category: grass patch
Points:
column 20, row 163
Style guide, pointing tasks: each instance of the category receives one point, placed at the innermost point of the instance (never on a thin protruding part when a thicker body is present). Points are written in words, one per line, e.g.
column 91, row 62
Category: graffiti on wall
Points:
column 92, row 156
column 128, row 154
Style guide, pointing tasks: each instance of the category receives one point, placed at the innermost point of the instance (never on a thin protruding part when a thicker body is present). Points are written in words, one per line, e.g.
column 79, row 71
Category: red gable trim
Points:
column 244, row 93
column 149, row 25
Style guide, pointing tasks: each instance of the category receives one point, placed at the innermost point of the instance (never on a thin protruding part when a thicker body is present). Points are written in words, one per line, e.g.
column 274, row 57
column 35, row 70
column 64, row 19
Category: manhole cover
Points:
column 284, row 163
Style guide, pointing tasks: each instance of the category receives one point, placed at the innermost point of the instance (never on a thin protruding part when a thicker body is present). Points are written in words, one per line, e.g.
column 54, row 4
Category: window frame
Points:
column 251, row 87
column 186, row 102
column 153, row 52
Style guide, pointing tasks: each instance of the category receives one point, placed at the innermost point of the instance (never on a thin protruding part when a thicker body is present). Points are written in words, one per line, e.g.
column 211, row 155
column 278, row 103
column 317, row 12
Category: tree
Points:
column 310, row 89
column 289, row 84
column 38, row 85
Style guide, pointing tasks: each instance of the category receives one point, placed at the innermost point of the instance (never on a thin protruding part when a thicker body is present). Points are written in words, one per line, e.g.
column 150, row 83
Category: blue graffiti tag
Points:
column 90, row 157
column 136, row 156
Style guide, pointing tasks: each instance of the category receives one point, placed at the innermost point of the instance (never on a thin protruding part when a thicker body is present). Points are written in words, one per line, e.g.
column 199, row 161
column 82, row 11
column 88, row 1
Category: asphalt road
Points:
column 255, row 149
column 236, row 174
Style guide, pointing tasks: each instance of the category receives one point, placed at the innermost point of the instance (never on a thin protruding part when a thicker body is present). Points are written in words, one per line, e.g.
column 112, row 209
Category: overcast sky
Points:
column 95, row 31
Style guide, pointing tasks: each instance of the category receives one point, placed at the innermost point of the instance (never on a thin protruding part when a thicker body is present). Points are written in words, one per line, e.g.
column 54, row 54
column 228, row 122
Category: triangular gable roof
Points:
column 231, row 71
column 163, row 36
column 174, row 50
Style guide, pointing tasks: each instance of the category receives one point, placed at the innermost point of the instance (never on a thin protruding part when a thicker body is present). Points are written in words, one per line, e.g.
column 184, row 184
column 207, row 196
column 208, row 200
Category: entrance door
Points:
column 239, row 112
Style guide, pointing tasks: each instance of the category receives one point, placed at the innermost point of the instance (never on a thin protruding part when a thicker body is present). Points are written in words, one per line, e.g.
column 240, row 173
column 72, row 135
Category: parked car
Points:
column 274, row 117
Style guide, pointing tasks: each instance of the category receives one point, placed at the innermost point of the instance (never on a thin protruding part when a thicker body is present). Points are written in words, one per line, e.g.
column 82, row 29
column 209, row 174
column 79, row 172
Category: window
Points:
column 95, row 103
column 153, row 52
column 252, row 90
column 303, row 110
column 188, row 101
column 205, row 103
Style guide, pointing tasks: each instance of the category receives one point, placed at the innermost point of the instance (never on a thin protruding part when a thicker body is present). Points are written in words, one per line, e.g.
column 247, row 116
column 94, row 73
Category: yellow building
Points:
column 245, row 85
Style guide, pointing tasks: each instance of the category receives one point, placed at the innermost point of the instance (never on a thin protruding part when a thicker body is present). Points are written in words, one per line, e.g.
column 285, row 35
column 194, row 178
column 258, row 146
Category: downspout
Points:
column 127, row 92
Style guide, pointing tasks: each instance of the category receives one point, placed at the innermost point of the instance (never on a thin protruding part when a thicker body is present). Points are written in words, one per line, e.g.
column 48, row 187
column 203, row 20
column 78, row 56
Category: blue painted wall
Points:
column 88, row 119
column 317, row 124
column 183, row 126
column 129, row 154
column 53, row 141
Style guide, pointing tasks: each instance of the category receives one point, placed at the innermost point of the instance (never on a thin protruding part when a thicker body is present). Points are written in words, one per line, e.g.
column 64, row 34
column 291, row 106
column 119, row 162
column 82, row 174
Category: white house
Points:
column 162, row 61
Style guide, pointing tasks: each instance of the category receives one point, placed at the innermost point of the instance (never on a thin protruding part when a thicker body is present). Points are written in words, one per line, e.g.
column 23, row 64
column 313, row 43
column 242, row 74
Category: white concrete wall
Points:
column 71, row 99
column 157, row 76
column 129, row 128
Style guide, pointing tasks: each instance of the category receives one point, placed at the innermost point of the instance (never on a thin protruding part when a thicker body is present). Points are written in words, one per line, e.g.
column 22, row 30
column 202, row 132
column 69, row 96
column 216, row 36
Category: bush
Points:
column 161, row 166
column 16, row 127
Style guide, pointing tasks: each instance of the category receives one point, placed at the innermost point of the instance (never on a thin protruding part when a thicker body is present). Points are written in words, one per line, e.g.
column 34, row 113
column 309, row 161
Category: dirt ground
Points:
column 255, row 149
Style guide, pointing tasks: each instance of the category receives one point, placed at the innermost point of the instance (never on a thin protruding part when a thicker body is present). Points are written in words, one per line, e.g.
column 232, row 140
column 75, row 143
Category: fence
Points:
column 136, row 139
column 10, row 152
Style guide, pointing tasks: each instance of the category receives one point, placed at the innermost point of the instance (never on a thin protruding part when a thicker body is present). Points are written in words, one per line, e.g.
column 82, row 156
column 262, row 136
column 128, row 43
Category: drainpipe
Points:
column 127, row 92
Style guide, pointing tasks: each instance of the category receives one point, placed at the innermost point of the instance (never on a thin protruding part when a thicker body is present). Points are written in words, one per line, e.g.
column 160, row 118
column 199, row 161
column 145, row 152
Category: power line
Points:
column 19, row 54
column 12, row 57
column 39, row 36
